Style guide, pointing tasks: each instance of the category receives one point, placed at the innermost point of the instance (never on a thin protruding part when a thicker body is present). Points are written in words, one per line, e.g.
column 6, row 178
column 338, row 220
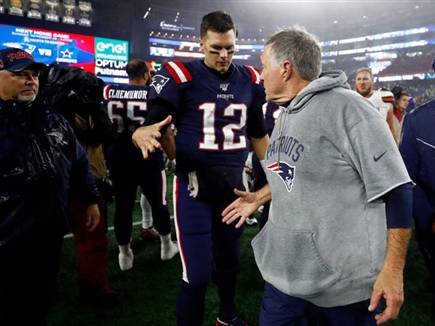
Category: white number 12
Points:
column 208, row 120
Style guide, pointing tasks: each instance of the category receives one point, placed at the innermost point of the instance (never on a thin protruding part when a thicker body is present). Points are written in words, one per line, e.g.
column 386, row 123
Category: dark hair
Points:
column 399, row 95
column 217, row 21
column 136, row 68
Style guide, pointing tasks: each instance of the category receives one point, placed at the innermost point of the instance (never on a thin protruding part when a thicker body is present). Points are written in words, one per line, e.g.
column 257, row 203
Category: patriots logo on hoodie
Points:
column 285, row 171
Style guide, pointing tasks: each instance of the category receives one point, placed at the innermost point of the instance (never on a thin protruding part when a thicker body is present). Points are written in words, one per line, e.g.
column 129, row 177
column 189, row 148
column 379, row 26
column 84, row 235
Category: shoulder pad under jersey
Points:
column 255, row 75
column 178, row 71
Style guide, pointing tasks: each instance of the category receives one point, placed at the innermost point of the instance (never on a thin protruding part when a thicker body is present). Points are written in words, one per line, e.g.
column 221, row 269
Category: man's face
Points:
column 218, row 49
column 364, row 83
column 272, row 78
column 21, row 86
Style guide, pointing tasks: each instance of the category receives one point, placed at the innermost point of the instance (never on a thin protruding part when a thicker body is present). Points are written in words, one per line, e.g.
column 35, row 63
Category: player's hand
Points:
column 241, row 208
column 146, row 137
column 92, row 217
column 388, row 286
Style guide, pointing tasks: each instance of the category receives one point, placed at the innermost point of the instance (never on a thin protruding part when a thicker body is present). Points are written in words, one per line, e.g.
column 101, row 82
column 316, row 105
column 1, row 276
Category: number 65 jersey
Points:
column 215, row 114
column 126, row 106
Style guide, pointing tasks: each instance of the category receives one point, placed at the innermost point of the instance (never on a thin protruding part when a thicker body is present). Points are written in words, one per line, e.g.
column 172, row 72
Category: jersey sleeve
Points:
column 168, row 81
column 408, row 146
column 255, row 124
column 386, row 96
column 376, row 157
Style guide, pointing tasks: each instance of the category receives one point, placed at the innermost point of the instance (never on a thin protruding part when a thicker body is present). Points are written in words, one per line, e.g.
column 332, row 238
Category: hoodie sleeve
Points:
column 375, row 155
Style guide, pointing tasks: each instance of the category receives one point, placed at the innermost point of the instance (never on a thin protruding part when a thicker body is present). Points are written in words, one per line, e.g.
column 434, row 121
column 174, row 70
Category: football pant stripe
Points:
column 177, row 229
column 163, row 174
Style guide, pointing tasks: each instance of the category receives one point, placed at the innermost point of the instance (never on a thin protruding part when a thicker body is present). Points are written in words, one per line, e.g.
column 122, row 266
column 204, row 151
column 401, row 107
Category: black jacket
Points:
column 41, row 161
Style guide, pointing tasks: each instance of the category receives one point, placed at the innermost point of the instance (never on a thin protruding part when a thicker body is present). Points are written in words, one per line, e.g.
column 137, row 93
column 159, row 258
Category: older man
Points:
column 340, row 217
column 40, row 160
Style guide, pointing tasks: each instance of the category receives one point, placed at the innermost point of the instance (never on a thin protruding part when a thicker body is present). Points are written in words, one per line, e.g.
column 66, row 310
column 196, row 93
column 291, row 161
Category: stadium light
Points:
column 147, row 13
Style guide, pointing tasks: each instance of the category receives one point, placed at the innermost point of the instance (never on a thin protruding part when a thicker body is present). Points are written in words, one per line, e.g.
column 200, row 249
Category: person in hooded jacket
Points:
column 41, row 163
column 77, row 96
column 340, row 216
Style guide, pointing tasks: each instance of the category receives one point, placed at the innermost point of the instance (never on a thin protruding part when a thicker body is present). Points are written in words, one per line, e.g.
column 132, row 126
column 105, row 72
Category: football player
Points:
column 127, row 108
column 216, row 105
column 382, row 98
column 271, row 112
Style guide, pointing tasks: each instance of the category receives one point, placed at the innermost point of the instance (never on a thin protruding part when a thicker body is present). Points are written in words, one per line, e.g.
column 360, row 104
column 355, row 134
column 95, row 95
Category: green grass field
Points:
column 148, row 292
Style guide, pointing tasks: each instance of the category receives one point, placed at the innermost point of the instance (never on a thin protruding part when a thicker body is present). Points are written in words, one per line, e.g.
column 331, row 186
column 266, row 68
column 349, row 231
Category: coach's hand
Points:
column 93, row 217
column 389, row 286
column 241, row 208
column 146, row 137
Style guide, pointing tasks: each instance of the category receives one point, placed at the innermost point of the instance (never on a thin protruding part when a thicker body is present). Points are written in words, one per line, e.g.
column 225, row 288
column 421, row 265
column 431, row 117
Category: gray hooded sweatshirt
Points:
column 330, row 158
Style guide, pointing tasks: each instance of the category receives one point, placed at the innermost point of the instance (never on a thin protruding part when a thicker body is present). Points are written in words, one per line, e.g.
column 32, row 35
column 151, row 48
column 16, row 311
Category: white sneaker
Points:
column 126, row 260
column 168, row 251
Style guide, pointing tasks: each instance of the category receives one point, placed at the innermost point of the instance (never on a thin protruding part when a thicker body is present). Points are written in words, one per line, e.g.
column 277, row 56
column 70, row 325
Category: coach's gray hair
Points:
column 298, row 46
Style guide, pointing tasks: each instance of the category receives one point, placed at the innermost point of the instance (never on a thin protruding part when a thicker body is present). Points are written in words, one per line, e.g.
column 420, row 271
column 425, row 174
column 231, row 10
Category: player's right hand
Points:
column 146, row 138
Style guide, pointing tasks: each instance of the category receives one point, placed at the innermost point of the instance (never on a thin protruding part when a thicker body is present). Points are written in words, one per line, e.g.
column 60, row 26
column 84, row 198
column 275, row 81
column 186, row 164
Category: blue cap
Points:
column 14, row 60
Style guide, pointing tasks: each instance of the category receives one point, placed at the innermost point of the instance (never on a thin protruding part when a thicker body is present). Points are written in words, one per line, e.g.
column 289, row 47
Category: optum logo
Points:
column 113, row 48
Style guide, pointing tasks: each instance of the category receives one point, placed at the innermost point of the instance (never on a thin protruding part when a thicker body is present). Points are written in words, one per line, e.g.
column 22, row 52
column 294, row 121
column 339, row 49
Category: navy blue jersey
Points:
column 214, row 113
column 418, row 149
column 271, row 112
column 126, row 106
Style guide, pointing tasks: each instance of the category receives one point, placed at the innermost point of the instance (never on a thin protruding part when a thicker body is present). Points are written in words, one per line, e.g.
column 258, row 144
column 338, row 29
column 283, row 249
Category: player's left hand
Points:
column 388, row 286
column 92, row 217
column 241, row 208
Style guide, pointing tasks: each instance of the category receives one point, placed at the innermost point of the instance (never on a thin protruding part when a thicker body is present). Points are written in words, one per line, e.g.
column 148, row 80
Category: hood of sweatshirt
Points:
column 326, row 81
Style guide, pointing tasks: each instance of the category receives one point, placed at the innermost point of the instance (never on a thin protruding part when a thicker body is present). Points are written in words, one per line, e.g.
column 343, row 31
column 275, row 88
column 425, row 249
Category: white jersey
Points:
column 383, row 100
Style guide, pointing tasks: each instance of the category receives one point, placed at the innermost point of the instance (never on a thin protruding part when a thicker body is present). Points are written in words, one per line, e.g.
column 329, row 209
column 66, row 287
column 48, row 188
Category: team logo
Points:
column 285, row 172
column 158, row 82
column 224, row 87
column 66, row 54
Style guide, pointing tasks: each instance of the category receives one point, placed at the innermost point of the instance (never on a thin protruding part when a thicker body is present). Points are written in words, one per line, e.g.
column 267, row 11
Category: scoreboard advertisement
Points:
column 104, row 57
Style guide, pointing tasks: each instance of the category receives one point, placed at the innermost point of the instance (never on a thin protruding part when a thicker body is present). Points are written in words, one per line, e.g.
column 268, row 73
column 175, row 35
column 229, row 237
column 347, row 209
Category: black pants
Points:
column 28, row 273
column 129, row 170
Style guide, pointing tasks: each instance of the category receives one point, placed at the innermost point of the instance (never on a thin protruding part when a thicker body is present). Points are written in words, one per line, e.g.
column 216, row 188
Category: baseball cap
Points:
column 14, row 60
